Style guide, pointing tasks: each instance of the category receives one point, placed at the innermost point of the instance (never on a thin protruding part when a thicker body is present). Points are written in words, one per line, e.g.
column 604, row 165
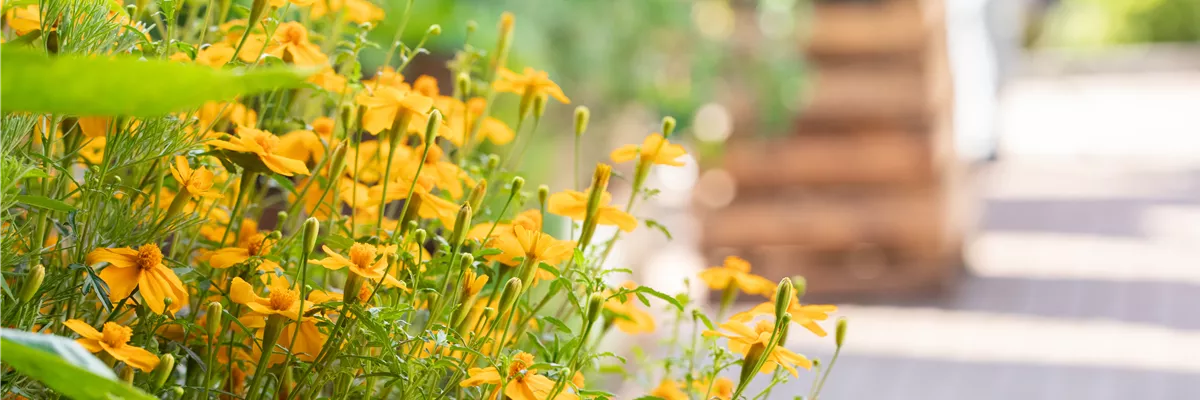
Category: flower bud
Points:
column 800, row 284
column 434, row 30
column 462, row 222
column 508, row 297
column 257, row 9
column 517, row 184
column 472, row 26
column 178, row 391
column 467, row 260
column 127, row 374
column 337, row 163
column 539, row 105
column 505, row 40
column 419, row 236
column 543, row 195
column 281, row 216
column 311, row 228
column 750, row 363
column 595, row 306
column 274, row 235
column 411, row 212
column 462, row 82
column 213, row 321
column 668, row 126
column 431, row 129
column 287, row 383
column 493, row 161
column 33, row 282
column 839, row 335
column 475, row 199
column 783, row 297
column 431, row 297
column 166, row 365
column 582, row 114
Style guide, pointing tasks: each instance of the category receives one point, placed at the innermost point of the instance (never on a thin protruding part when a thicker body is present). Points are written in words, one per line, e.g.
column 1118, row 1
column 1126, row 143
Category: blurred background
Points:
column 1003, row 195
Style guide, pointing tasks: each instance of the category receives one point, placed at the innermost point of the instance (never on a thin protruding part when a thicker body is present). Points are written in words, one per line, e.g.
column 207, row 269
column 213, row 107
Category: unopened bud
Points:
column 582, row 114
column 178, row 391
column 337, row 163
column 543, row 195
column 431, row 129
column 472, row 26
column 463, row 83
column 750, row 363
column 434, row 30
column 411, row 212
column 668, row 126
column 462, row 222
column 475, row 199
column 517, row 184
column 600, row 177
column 493, row 161
column 127, row 374
column 783, row 297
column 257, row 9
column 419, row 236
column 539, row 105
column 275, row 235
column 166, row 365
column 595, row 305
column 508, row 297
column 33, row 282
column 281, row 216
column 312, row 227
column 431, row 297
column 213, row 319
column 839, row 335
column 467, row 261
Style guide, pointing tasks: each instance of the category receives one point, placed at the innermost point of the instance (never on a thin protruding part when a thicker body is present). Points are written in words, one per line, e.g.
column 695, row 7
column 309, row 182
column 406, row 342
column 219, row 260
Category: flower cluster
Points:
column 364, row 236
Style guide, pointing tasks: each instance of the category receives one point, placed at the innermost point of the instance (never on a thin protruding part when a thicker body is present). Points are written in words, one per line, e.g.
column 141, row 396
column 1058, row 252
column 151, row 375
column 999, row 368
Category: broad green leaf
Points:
column 124, row 85
column 650, row 291
column 64, row 366
column 45, row 202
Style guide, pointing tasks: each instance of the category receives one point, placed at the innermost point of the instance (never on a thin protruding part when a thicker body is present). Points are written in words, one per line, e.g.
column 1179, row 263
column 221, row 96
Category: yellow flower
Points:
column 386, row 77
column 805, row 315
column 386, row 103
column 114, row 340
column 281, row 300
column 573, row 204
column 722, row 388
column 736, row 271
column 530, row 82
column 743, row 338
column 669, row 390
column 364, row 260
column 533, row 245
column 306, row 346
column 262, row 144
column 445, row 175
column 530, row 219
column 142, row 268
column 253, row 245
column 291, row 44
column 472, row 283
column 308, row 145
column 237, row 114
column 329, row 80
column 524, row 383
column 654, row 149
column 24, row 19
column 359, row 11
column 94, row 127
column 196, row 182
column 630, row 319
column 93, row 150
column 215, row 56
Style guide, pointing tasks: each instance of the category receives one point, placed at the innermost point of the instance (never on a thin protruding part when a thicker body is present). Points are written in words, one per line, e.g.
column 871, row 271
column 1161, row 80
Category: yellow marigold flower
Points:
column 254, row 245
column 630, row 318
column 94, row 127
column 386, row 77
column 445, row 175
column 281, row 299
column 262, row 144
column 654, row 149
column 291, row 44
column 669, row 390
column 215, row 56
column 530, row 219
column 114, row 340
column 530, row 82
column 93, row 150
column 308, row 145
column 524, row 383
column 24, row 19
column 196, row 182
column 386, row 103
column 722, row 388
column 806, row 315
column 472, row 283
column 737, row 271
column 531, row 244
column 329, row 80
column 306, row 346
column 359, row 11
column 573, row 204
column 237, row 114
column 365, row 260
column 742, row 338
column 142, row 268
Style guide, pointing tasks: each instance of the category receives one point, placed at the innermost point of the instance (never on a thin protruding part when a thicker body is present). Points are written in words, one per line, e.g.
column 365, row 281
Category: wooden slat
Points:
column 889, row 158
column 864, row 29
column 865, row 92
column 911, row 221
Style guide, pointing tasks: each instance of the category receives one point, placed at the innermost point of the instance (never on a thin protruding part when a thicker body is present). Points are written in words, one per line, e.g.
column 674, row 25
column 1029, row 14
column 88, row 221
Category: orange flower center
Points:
column 266, row 141
column 764, row 326
column 258, row 245
column 116, row 336
column 149, row 256
column 362, row 255
column 294, row 34
column 282, row 299
column 520, row 366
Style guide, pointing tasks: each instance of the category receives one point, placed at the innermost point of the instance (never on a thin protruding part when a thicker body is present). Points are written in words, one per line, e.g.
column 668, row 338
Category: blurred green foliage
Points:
column 1098, row 23
column 673, row 55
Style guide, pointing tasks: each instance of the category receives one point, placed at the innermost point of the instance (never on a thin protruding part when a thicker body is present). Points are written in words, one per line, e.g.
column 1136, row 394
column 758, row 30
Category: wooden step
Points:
column 885, row 157
column 853, row 29
column 913, row 222
column 864, row 92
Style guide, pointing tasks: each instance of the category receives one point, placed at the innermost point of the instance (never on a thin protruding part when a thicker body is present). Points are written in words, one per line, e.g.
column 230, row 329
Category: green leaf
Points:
column 64, row 366
column 124, row 85
column 652, row 224
column 45, row 202
column 650, row 291
column 558, row 323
